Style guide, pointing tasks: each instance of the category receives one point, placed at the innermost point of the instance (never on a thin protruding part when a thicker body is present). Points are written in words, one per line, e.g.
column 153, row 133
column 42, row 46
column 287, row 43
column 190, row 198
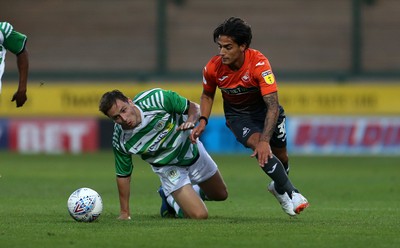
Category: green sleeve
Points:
column 123, row 163
column 15, row 43
column 175, row 103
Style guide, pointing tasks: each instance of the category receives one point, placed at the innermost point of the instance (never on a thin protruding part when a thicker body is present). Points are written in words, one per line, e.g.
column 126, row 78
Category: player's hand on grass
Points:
column 262, row 152
column 124, row 216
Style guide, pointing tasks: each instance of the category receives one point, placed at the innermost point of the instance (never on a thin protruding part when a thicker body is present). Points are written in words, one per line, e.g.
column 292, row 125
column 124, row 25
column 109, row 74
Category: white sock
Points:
column 199, row 192
column 171, row 201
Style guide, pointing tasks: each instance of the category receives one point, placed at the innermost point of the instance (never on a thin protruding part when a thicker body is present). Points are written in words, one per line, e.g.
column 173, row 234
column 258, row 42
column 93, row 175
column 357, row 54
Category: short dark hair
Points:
column 109, row 99
column 235, row 28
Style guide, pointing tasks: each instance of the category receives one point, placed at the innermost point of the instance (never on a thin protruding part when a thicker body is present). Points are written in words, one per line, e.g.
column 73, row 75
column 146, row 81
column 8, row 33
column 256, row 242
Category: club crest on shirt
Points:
column 159, row 125
column 268, row 77
column 246, row 77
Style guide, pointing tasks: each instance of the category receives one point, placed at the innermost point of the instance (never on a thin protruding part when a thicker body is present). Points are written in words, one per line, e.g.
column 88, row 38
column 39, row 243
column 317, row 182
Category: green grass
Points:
column 354, row 203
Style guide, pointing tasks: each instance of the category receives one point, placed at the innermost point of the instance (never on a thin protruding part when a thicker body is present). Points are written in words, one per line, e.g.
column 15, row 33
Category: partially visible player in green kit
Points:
column 15, row 42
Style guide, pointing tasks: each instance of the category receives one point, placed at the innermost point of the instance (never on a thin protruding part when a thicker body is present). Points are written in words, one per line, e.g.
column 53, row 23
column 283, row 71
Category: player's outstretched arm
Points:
column 123, row 184
column 206, row 103
column 263, row 149
column 23, row 69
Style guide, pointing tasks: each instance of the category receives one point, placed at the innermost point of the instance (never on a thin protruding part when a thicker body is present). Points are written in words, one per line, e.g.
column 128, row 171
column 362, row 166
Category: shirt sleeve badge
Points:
column 268, row 77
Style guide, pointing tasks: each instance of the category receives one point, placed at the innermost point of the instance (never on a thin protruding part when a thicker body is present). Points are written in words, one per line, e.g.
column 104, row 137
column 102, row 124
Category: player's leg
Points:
column 278, row 140
column 282, row 154
column 167, row 209
column 176, row 191
column 190, row 202
column 274, row 169
column 205, row 173
column 281, row 187
column 248, row 132
column 214, row 188
column 278, row 144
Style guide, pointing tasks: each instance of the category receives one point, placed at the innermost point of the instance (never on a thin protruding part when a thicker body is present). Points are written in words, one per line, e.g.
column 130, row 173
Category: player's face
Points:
column 125, row 114
column 231, row 53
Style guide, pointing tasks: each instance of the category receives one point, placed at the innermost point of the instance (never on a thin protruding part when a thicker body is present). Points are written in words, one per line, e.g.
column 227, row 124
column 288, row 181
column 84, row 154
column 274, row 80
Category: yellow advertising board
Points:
column 341, row 99
column 81, row 99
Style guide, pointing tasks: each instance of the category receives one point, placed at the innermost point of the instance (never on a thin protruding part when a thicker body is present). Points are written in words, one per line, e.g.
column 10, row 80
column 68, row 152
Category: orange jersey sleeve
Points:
column 209, row 75
column 262, row 73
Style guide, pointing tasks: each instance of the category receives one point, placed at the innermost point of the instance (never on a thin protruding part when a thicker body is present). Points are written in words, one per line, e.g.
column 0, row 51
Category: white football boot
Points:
column 284, row 200
column 299, row 202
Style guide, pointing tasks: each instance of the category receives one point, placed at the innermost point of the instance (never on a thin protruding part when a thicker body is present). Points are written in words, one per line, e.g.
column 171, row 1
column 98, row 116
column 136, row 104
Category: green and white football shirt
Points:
column 156, row 139
column 9, row 40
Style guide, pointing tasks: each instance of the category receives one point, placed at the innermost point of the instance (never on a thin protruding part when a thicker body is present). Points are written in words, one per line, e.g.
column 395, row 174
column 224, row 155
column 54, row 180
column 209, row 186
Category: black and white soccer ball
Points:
column 85, row 205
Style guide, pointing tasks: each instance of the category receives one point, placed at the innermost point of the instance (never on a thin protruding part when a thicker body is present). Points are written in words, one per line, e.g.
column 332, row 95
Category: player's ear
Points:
column 243, row 47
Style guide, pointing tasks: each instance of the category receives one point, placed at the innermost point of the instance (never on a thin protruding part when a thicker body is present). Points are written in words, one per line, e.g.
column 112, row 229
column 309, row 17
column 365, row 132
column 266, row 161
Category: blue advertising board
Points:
column 3, row 134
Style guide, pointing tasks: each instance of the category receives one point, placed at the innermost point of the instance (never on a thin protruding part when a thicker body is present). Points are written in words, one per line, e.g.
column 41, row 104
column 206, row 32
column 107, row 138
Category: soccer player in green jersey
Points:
column 15, row 42
column 156, row 125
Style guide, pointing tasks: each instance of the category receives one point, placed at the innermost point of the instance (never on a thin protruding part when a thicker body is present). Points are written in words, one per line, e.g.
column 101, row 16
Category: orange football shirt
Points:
column 242, row 90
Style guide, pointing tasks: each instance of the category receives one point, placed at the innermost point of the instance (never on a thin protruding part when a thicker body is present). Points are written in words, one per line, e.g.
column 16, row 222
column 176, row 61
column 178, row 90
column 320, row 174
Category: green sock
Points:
column 180, row 214
column 200, row 192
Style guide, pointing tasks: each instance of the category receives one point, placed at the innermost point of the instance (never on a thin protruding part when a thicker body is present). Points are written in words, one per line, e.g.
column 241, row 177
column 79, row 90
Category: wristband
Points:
column 203, row 118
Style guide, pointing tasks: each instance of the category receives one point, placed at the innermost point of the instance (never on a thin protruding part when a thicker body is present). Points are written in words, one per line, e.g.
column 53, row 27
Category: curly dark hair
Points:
column 237, row 29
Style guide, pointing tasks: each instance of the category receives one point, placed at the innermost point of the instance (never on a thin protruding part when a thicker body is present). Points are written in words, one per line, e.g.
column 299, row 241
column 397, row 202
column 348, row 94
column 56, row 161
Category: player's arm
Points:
column 124, row 190
column 193, row 113
column 206, row 103
column 263, row 148
column 271, row 100
column 23, row 68
column 123, row 168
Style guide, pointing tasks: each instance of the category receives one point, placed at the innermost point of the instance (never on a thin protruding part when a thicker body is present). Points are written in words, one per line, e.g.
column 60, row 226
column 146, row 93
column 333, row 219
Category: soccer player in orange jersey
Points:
column 252, row 111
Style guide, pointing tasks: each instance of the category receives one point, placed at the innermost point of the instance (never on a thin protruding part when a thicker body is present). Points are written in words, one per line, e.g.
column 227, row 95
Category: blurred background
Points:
column 337, row 64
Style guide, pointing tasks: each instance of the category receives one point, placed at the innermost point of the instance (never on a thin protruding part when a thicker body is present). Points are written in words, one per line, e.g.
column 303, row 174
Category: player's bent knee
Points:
column 199, row 215
column 222, row 196
column 218, row 195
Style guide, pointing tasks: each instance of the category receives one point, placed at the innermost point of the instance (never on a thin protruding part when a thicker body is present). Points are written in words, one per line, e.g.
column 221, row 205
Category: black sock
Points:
column 287, row 168
column 275, row 170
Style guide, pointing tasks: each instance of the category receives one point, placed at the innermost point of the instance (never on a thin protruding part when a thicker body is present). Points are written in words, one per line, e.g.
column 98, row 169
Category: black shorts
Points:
column 244, row 126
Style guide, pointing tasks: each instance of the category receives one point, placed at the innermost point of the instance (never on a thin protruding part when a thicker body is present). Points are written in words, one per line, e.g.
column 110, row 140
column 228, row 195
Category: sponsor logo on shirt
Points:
column 239, row 90
column 157, row 140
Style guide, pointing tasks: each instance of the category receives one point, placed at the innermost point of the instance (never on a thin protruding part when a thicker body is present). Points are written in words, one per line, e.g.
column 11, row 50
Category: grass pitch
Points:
column 354, row 203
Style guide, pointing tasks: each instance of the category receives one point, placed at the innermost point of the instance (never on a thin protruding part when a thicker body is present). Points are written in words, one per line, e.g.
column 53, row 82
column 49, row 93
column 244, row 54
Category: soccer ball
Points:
column 85, row 205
